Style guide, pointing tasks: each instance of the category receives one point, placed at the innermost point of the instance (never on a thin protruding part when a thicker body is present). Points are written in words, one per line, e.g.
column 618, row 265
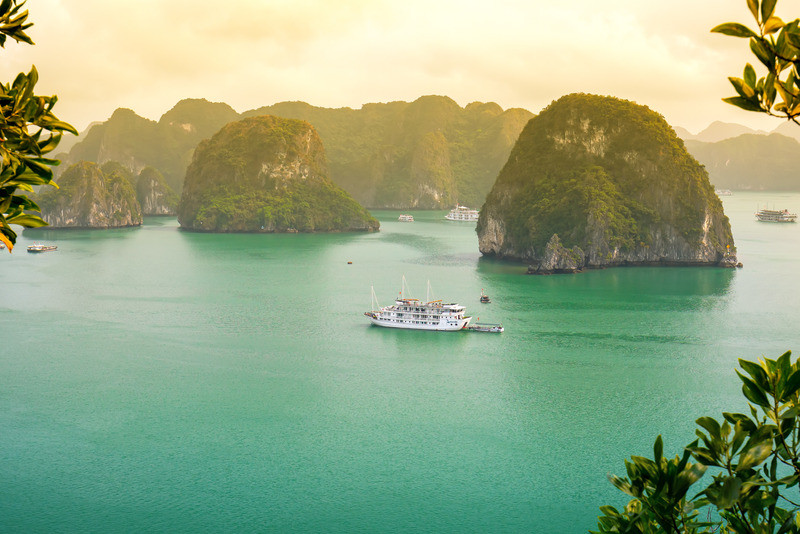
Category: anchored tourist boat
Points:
column 723, row 192
column 462, row 213
column 414, row 314
column 37, row 247
column 405, row 218
column 776, row 216
column 485, row 298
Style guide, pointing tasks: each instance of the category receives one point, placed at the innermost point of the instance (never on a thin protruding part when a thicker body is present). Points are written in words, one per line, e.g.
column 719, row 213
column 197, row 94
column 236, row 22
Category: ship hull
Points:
column 445, row 326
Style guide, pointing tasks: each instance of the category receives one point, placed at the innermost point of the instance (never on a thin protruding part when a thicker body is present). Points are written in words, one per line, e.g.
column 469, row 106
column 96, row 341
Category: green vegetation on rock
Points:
column 430, row 153
column 154, row 195
column 608, row 176
column 266, row 174
column 90, row 198
column 166, row 145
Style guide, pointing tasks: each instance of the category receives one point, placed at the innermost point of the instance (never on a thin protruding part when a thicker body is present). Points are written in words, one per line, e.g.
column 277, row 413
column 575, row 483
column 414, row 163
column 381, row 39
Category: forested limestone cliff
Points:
column 266, row 174
column 87, row 197
column 430, row 153
column 596, row 181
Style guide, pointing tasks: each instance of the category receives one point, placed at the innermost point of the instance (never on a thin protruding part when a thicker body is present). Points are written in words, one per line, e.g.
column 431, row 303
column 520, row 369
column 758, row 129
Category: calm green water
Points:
column 158, row 380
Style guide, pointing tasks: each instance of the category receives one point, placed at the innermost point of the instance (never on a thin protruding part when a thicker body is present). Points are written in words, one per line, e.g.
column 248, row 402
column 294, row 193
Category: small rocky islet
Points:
column 597, row 182
column 105, row 196
column 87, row 197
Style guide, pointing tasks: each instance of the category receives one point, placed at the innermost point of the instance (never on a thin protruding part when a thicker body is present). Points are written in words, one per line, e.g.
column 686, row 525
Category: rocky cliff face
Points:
column 266, row 174
column 167, row 145
column 614, row 185
column 430, row 153
column 154, row 195
column 89, row 198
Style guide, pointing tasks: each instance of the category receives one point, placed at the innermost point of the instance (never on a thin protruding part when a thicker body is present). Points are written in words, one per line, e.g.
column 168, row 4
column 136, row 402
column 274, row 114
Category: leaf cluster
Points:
column 755, row 458
column 28, row 131
column 776, row 45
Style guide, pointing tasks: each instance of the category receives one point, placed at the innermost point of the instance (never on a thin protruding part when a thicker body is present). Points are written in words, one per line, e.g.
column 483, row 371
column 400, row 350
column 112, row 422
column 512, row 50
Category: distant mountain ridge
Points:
column 750, row 161
column 719, row 131
column 430, row 153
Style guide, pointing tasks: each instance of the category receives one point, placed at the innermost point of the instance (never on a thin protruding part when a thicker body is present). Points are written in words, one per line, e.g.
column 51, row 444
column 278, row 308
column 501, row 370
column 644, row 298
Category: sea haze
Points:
column 159, row 380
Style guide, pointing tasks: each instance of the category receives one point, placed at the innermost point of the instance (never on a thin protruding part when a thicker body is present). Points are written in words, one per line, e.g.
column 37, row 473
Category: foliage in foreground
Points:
column 24, row 118
column 754, row 460
column 776, row 45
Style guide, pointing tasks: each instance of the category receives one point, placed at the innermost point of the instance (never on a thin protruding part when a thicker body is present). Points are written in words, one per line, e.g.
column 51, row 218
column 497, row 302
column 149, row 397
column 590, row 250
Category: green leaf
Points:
column 711, row 426
column 753, row 393
column 705, row 457
column 28, row 221
column 658, row 449
column 753, row 369
column 746, row 423
column 750, row 76
column 767, row 9
column 741, row 87
column 729, row 493
column 769, row 90
column 734, row 29
column 793, row 38
column 753, row 6
column 754, row 455
column 792, row 385
column 743, row 103
column 764, row 55
column 773, row 24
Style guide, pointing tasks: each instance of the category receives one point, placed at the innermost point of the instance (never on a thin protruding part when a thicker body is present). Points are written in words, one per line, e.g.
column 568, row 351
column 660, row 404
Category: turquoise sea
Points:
column 154, row 380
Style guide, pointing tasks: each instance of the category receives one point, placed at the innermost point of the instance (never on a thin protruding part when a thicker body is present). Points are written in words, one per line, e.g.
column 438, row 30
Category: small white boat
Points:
column 462, row 213
column 766, row 215
column 38, row 247
column 723, row 192
column 405, row 218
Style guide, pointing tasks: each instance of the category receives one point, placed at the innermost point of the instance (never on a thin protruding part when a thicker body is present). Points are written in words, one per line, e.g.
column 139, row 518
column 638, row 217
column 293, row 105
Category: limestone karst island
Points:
column 266, row 174
column 598, row 182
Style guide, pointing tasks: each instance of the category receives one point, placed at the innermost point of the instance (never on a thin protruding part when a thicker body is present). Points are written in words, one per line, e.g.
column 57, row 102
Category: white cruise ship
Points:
column 413, row 314
column 462, row 213
column 776, row 216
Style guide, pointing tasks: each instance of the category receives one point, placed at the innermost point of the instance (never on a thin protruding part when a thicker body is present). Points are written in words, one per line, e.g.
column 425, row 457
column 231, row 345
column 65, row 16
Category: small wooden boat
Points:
column 485, row 327
column 485, row 298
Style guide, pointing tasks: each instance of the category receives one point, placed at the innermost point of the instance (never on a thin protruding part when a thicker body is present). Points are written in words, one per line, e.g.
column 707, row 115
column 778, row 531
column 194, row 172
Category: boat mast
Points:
column 374, row 306
column 404, row 288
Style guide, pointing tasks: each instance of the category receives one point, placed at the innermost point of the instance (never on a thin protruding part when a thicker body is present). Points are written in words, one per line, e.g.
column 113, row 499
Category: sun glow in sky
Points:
column 99, row 55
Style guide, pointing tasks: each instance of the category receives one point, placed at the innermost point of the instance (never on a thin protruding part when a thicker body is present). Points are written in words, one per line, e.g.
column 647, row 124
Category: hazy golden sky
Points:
column 98, row 55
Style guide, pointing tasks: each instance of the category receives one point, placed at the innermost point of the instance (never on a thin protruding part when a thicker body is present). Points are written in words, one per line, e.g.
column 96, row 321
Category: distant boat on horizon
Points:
column 462, row 213
column 404, row 217
column 723, row 192
column 783, row 216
